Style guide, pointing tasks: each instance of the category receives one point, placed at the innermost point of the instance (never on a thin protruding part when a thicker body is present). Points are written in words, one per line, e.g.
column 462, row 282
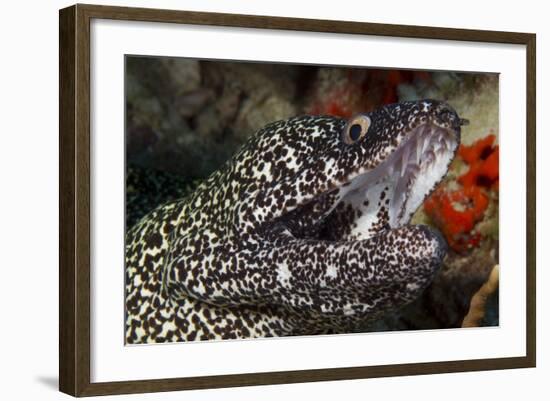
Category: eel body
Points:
column 304, row 231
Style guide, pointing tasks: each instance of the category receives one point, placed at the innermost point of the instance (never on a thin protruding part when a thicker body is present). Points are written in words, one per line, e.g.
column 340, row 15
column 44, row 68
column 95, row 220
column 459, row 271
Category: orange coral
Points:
column 482, row 157
column 456, row 212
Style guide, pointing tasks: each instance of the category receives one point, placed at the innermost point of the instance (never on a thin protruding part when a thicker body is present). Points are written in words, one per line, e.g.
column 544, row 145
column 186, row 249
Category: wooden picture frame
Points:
column 74, row 205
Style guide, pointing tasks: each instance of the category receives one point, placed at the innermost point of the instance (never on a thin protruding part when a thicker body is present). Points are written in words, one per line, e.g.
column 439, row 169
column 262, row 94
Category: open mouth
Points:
column 387, row 196
column 359, row 188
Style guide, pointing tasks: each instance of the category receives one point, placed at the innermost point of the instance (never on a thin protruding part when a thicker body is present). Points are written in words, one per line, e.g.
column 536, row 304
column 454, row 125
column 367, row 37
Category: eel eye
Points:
column 355, row 129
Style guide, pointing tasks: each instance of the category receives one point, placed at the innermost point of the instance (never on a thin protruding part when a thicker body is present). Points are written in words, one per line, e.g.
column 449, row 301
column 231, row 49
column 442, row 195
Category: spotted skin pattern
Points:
column 292, row 235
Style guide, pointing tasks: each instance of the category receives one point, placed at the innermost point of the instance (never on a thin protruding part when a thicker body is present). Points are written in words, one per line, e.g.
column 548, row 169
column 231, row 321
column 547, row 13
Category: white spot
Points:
column 200, row 289
column 265, row 171
column 140, row 333
column 283, row 274
column 331, row 272
column 167, row 326
column 166, row 314
column 348, row 311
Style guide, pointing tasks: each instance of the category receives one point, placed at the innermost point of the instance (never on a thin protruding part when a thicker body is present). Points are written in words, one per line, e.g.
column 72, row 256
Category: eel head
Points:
column 335, row 179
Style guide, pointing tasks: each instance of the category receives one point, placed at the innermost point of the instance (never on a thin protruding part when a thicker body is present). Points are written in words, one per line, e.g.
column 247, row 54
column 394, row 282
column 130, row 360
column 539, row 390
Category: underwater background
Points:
column 186, row 117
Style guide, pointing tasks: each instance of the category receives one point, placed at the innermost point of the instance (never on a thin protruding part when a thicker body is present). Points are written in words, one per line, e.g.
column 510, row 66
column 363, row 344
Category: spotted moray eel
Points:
column 304, row 231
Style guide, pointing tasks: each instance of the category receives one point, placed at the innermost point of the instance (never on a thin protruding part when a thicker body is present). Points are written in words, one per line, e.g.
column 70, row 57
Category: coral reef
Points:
column 482, row 160
column 456, row 207
column 479, row 302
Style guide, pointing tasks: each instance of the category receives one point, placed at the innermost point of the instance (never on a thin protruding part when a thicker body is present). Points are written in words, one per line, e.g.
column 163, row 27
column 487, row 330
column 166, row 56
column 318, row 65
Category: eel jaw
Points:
column 411, row 171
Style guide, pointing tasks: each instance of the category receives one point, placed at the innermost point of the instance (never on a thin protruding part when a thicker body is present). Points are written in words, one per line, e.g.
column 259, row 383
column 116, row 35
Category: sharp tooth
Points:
column 403, row 167
column 443, row 142
column 425, row 144
column 418, row 149
column 398, row 193
column 405, row 155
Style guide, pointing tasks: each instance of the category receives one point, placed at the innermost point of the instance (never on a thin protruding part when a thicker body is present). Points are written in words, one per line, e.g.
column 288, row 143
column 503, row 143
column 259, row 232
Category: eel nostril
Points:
column 447, row 115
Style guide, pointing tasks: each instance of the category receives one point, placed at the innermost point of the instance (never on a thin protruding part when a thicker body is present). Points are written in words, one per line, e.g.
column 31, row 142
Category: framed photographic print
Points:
column 277, row 200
